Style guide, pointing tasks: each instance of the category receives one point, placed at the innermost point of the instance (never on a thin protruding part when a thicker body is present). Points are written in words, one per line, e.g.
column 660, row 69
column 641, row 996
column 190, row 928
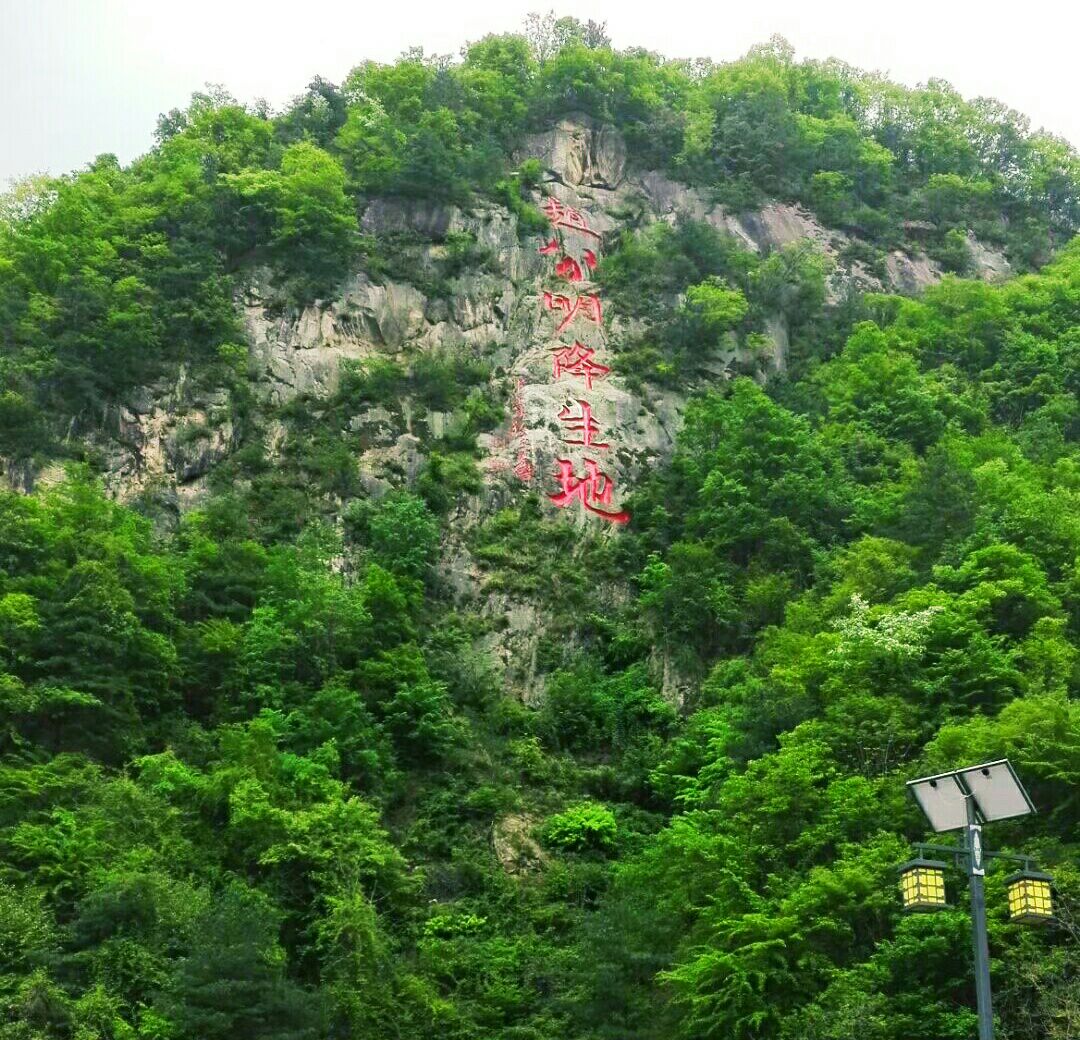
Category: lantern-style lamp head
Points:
column 1029, row 897
column 922, row 884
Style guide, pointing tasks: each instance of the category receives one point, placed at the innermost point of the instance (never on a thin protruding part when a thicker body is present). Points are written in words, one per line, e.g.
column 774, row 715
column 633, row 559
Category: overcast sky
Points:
column 81, row 77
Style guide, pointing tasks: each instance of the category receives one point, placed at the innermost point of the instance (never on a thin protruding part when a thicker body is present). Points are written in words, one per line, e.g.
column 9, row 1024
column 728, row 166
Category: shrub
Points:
column 585, row 827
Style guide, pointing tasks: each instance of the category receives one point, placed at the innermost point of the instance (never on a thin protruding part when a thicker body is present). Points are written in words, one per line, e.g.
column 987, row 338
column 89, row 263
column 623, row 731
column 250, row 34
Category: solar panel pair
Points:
column 994, row 786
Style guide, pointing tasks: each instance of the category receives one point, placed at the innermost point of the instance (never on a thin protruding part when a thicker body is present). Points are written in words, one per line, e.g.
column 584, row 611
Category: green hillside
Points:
column 263, row 774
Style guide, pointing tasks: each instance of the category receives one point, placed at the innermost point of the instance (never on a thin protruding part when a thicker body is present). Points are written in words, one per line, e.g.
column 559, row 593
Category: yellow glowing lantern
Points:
column 922, row 884
column 1029, row 897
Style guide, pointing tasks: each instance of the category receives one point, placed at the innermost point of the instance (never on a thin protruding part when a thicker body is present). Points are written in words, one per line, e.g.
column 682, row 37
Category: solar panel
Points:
column 997, row 790
column 941, row 798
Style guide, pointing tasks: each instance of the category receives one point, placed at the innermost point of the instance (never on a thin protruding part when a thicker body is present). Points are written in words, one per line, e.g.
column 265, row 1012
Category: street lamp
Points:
column 922, row 884
column 1029, row 897
column 965, row 799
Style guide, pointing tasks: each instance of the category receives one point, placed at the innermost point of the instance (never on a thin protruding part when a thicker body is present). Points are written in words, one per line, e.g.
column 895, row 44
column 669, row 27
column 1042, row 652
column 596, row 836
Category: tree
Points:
column 547, row 35
column 303, row 213
column 231, row 982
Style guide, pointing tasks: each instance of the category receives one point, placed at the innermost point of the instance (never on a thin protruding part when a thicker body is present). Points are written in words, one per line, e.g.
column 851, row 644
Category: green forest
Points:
column 255, row 760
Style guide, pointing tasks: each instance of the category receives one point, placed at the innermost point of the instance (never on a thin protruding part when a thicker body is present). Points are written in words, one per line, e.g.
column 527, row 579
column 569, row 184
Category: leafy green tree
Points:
column 302, row 212
column 231, row 980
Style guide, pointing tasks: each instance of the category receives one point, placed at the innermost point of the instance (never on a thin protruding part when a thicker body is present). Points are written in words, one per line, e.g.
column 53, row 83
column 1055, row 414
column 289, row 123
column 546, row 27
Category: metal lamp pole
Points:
column 976, row 871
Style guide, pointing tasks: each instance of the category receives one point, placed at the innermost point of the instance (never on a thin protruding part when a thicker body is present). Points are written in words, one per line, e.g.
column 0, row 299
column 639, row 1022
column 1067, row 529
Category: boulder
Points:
column 991, row 265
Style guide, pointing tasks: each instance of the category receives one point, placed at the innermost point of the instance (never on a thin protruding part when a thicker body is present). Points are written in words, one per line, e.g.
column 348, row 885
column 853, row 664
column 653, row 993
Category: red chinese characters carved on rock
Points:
column 592, row 490
column 569, row 269
column 566, row 217
column 595, row 488
column 588, row 306
column 577, row 360
column 581, row 423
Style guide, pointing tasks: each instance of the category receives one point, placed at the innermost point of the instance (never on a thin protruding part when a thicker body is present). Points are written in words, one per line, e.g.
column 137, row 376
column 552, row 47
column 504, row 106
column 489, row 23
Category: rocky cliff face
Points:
column 170, row 435
column 167, row 438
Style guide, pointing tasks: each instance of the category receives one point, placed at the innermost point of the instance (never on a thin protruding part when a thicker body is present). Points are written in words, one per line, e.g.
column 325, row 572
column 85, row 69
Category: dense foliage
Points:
column 259, row 779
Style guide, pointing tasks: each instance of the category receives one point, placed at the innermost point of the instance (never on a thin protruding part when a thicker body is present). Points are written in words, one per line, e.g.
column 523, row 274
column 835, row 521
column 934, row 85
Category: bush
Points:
column 952, row 252
column 585, row 827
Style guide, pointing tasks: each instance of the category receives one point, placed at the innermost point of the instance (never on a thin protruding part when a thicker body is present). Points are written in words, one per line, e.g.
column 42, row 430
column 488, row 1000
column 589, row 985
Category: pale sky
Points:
column 81, row 77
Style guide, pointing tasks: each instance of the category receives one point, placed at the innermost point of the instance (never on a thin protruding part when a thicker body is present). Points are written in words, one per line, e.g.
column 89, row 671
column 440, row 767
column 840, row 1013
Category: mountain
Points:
column 486, row 546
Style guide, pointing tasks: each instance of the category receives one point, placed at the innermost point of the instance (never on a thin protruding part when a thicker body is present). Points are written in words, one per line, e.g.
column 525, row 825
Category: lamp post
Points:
column 976, row 873
column 965, row 799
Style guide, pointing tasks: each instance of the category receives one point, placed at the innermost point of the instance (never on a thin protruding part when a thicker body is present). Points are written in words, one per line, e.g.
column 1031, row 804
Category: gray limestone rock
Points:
column 193, row 450
column 578, row 152
column 911, row 274
column 393, row 215
column 991, row 265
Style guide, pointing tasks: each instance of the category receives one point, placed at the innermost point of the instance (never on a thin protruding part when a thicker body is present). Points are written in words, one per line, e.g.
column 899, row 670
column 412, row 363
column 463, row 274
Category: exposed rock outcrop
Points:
column 515, row 848
column 989, row 264
column 395, row 216
column 578, row 152
column 910, row 275
column 172, row 434
column 169, row 437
